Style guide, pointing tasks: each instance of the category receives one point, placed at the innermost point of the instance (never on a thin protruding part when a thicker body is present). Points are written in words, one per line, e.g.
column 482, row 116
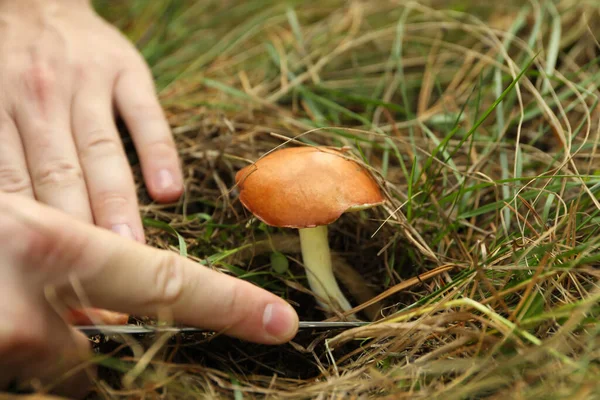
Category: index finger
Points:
column 126, row 276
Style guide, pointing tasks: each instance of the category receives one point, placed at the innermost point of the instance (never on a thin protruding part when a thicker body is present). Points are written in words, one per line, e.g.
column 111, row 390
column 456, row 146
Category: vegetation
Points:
column 479, row 120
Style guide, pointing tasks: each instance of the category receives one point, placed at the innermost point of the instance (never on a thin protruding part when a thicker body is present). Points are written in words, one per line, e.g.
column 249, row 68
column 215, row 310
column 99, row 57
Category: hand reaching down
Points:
column 64, row 72
column 49, row 260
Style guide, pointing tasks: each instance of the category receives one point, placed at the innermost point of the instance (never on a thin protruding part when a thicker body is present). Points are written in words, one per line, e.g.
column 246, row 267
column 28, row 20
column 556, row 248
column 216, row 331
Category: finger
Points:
column 46, row 135
column 129, row 277
column 145, row 281
column 137, row 103
column 14, row 177
column 107, row 173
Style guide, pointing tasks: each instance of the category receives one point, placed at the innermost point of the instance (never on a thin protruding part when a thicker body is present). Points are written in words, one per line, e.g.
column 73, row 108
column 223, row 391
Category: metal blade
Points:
column 131, row 329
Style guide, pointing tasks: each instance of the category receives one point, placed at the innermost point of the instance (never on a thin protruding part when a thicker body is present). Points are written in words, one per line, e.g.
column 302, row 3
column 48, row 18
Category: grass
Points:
column 479, row 121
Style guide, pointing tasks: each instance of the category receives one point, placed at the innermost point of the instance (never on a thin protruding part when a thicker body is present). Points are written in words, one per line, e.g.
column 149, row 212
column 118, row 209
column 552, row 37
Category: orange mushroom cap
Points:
column 304, row 187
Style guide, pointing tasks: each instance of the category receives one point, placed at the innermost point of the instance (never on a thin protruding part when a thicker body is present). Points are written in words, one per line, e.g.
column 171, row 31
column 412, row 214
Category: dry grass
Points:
column 485, row 256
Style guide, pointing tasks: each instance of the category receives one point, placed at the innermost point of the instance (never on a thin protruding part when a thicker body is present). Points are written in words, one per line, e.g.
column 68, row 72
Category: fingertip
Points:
column 280, row 322
column 166, row 185
column 124, row 230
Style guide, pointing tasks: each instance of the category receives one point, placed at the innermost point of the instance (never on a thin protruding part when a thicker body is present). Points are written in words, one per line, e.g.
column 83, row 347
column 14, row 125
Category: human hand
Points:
column 48, row 258
column 64, row 72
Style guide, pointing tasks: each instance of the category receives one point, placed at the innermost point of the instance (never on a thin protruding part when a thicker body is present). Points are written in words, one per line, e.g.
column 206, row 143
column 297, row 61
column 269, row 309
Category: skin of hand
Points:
column 50, row 258
column 65, row 75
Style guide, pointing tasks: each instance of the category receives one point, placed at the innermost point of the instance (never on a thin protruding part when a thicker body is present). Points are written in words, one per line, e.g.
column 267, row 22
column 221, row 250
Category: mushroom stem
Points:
column 317, row 261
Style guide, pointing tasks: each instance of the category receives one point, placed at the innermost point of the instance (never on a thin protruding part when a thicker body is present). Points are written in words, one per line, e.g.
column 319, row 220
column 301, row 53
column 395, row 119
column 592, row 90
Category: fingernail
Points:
column 123, row 230
column 280, row 321
column 165, row 179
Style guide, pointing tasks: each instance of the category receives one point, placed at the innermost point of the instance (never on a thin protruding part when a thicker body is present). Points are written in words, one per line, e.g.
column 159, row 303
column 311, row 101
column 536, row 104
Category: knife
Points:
column 135, row 329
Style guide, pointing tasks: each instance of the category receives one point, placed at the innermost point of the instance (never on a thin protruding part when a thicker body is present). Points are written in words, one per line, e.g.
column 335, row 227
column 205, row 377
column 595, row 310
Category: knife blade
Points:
column 91, row 330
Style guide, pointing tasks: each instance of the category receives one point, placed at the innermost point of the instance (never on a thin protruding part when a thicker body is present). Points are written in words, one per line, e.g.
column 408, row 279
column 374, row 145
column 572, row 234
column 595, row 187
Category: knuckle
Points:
column 98, row 143
column 13, row 180
column 58, row 173
column 81, row 72
column 112, row 206
column 169, row 280
column 112, row 201
column 40, row 80
column 161, row 147
column 147, row 111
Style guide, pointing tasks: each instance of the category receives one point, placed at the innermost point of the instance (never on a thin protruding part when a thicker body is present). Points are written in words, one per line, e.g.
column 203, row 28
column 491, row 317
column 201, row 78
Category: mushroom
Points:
column 308, row 188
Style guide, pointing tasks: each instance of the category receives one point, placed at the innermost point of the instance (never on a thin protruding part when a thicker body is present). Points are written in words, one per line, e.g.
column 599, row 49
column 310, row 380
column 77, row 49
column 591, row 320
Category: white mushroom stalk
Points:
column 316, row 257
